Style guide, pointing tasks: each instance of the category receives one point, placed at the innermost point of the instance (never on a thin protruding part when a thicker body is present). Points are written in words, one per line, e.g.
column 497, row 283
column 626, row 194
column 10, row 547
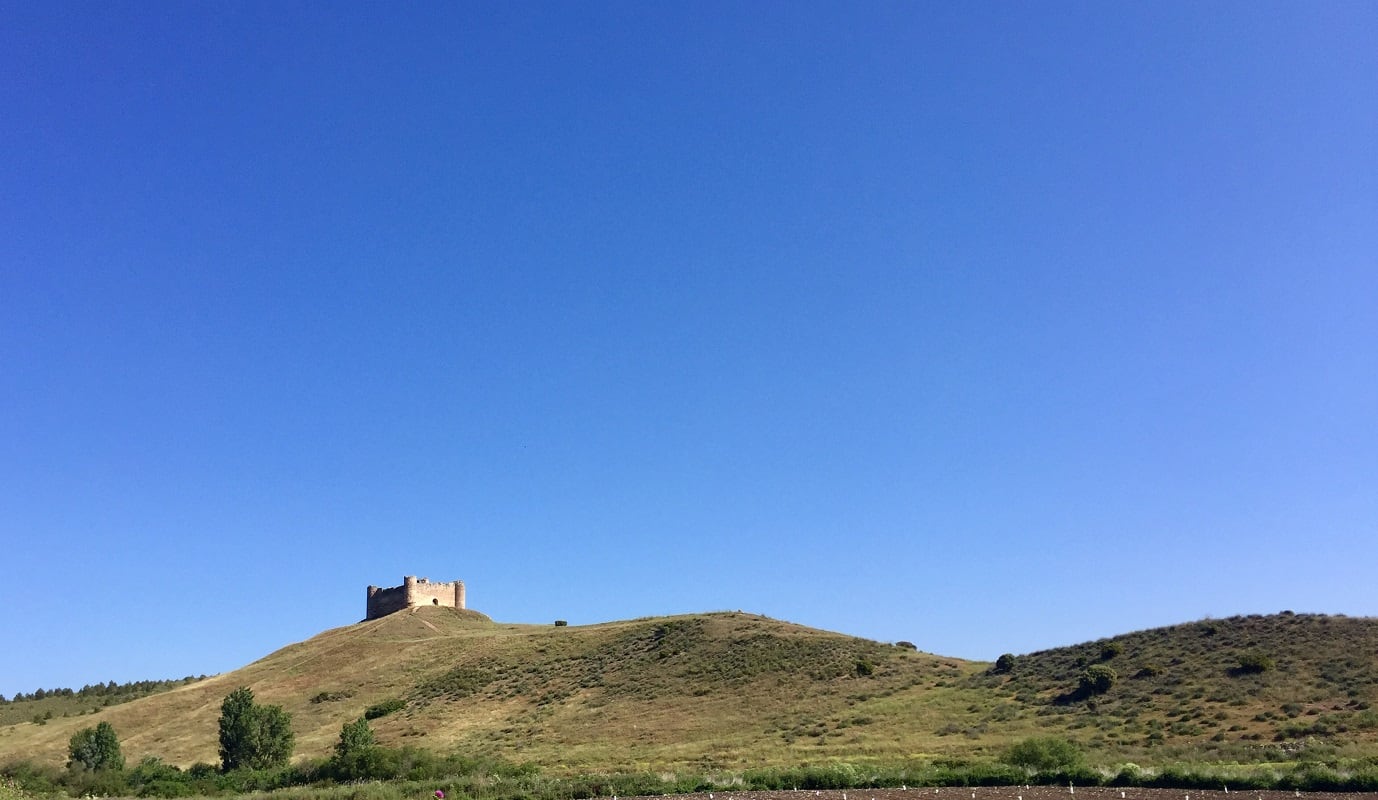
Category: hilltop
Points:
column 732, row 690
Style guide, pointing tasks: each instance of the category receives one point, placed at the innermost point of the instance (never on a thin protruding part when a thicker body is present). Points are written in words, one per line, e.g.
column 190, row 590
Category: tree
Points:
column 253, row 736
column 237, row 726
column 275, row 737
column 356, row 756
column 1004, row 664
column 95, row 748
column 355, row 737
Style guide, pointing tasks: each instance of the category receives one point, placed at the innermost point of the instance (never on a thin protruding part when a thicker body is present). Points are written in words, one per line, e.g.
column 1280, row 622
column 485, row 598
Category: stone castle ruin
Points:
column 413, row 592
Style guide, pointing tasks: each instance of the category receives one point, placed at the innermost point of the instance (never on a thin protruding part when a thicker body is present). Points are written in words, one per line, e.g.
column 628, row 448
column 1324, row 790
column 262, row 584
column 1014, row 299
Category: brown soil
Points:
column 1020, row 793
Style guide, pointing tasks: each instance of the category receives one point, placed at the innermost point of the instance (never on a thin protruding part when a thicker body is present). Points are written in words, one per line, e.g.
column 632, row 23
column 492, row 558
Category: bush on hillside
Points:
column 384, row 708
column 1043, row 754
column 330, row 697
column 1253, row 663
column 1096, row 679
column 1004, row 664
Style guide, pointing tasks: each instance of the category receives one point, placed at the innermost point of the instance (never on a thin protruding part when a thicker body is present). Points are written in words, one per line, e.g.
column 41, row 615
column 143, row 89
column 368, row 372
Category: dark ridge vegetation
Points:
column 49, row 703
column 118, row 691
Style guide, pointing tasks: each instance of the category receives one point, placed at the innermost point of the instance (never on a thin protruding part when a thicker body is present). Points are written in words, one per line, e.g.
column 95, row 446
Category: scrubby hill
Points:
column 1248, row 687
column 733, row 690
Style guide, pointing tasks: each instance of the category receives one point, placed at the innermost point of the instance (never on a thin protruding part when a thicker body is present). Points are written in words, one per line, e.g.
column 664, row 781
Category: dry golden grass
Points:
column 728, row 691
column 723, row 689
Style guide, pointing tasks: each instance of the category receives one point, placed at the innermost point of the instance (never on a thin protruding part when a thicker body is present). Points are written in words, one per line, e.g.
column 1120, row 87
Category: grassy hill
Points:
column 733, row 690
column 1248, row 687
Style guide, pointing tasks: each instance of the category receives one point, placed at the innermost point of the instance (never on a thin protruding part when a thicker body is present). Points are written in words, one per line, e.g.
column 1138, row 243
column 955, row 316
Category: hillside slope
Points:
column 709, row 690
column 734, row 690
column 1239, row 686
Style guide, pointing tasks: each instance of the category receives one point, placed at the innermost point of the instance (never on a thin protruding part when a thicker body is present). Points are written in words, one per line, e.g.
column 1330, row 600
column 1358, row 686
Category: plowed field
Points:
column 1020, row 793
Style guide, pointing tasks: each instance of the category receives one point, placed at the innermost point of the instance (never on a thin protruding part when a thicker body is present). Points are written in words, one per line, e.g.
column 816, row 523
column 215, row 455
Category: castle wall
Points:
column 425, row 593
column 385, row 601
column 413, row 592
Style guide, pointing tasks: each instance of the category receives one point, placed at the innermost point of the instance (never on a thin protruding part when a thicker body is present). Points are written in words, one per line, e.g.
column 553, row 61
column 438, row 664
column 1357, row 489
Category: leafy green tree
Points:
column 237, row 729
column 253, row 736
column 355, row 737
column 1005, row 663
column 95, row 748
column 356, row 755
column 275, row 738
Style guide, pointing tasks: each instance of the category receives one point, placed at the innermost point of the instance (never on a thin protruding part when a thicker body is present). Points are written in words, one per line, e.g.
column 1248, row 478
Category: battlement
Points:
column 413, row 592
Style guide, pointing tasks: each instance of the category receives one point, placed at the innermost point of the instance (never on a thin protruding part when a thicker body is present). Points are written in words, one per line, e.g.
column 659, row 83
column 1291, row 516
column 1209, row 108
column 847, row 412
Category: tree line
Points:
column 107, row 689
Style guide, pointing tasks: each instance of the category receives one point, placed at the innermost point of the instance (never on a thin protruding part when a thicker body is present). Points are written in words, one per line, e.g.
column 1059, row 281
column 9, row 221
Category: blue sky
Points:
column 987, row 326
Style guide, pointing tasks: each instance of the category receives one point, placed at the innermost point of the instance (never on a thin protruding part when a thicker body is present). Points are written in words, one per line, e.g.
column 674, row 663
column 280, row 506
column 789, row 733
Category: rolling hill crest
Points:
column 731, row 690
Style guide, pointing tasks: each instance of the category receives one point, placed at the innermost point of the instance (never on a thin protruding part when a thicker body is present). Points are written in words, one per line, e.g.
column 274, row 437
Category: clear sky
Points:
column 988, row 326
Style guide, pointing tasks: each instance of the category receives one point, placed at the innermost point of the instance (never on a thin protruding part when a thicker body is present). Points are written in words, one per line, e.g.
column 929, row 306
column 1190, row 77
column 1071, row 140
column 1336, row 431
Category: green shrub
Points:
column 384, row 708
column 327, row 697
column 1096, row 679
column 1110, row 649
column 100, row 783
column 34, row 778
column 1004, row 664
column 152, row 771
column 1252, row 663
column 1043, row 754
